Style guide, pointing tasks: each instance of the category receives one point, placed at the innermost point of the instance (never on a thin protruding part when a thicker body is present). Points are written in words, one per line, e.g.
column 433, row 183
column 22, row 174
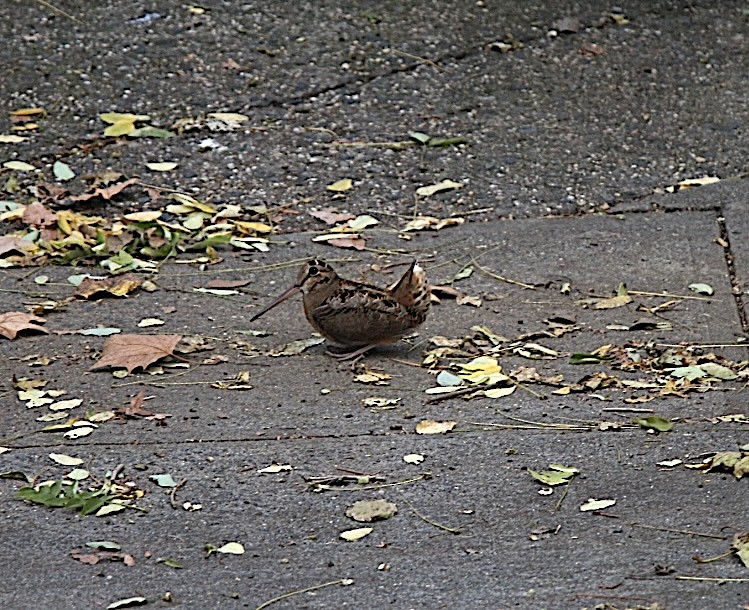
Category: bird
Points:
column 355, row 317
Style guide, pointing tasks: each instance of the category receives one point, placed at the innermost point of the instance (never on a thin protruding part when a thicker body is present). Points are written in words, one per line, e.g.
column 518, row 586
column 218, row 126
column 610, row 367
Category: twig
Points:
column 711, row 559
column 417, row 58
column 708, row 579
column 381, row 486
column 342, row 581
column 564, row 495
column 173, row 493
column 628, row 409
column 262, row 268
column 448, row 395
column 644, row 293
column 675, row 531
column 52, row 7
column 500, row 278
column 426, row 519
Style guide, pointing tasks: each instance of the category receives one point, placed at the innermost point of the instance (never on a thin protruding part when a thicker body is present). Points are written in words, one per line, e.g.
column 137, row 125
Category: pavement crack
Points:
column 736, row 289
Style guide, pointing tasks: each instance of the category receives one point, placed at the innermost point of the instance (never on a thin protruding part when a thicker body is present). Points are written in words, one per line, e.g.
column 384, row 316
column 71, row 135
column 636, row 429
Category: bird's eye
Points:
column 313, row 271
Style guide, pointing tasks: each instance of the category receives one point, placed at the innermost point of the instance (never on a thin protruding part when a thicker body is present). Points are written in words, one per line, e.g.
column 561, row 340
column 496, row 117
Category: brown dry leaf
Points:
column 118, row 286
column 740, row 544
column 352, row 242
column 105, row 192
column 432, row 426
column 219, row 283
column 431, row 222
column 13, row 322
column 467, row 299
column 13, row 243
column 612, row 303
column 373, row 377
column 38, row 215
column 330, row 216
column 133, row 351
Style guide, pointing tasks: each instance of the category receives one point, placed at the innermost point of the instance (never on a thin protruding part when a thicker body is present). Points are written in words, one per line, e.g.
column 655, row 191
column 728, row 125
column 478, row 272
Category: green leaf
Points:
column 689, row 373
column 446, row 141
column 700, row 288
column 104, row 545
column 420, row 137
column 554, row 477
column 172, row 563
column 151, row 132
column 718, row 371
column 654, row 422
column 163, row 480
column 62, row 171
column 447, row 379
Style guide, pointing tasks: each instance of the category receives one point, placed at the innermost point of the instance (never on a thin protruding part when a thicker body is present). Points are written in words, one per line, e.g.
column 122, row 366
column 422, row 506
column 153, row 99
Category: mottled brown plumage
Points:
column 355, row 317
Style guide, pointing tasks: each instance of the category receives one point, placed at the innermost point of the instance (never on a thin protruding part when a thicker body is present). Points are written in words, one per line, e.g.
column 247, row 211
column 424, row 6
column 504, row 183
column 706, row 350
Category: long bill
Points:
column 286, row 295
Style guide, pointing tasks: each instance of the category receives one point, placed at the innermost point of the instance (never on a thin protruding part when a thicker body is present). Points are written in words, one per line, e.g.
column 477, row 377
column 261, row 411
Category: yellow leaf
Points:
column 120, row 128
column 432, row 426
column 11, row 139
column 117, row 117
column 445, row 185
column 229, row 117
column 340, row 185
column 500, row 392
column 148, row 216
column 357, row 533
column 27, row 111
column 20, row 166
column 253, row 227
column 483, row 370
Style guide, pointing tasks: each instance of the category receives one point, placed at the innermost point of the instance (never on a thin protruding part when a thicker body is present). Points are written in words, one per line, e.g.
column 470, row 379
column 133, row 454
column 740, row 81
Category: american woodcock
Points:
column 355, row 317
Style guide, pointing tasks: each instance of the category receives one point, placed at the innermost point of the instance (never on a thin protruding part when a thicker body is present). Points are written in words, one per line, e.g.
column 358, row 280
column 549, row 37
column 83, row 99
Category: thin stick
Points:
column 711, row 559
column 500, row 278
column 426, row 519
column 675, row 531
column 707, row 579
column 173, row 493
column 342, row 581
column 416, row 57
column 643, row 293
column 564, row 495
column 628, row 409
column 381, row 486
column 52, row 7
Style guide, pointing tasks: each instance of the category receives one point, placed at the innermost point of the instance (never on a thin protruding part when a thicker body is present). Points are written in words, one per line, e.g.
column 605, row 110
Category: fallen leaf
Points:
column 19, row 166
column 340, row 186
column 133, row 351
column 65, row 460
column 14, row 322
column 654, row 422
column 445, row 185
column 295, row 347
column 421, row 223
column 342, row 240
column 356, row 534
column 556, row 475
column 118, row 286
column 593, row 504
column 380, row 402
column 432, row 426
column 740, row 544
column 413, row 458
column 500, row 392
column 106, row 192
column 162, row 166
column 231, row 548
column 330, row 216
column 163, row 480
column 373, row 377
column 699, row 288
column 62, row 171
column 275, row 469
column 366, row 511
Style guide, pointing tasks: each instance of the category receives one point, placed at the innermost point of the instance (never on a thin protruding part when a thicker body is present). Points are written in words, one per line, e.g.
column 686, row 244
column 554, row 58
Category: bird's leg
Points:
column 355, row 355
